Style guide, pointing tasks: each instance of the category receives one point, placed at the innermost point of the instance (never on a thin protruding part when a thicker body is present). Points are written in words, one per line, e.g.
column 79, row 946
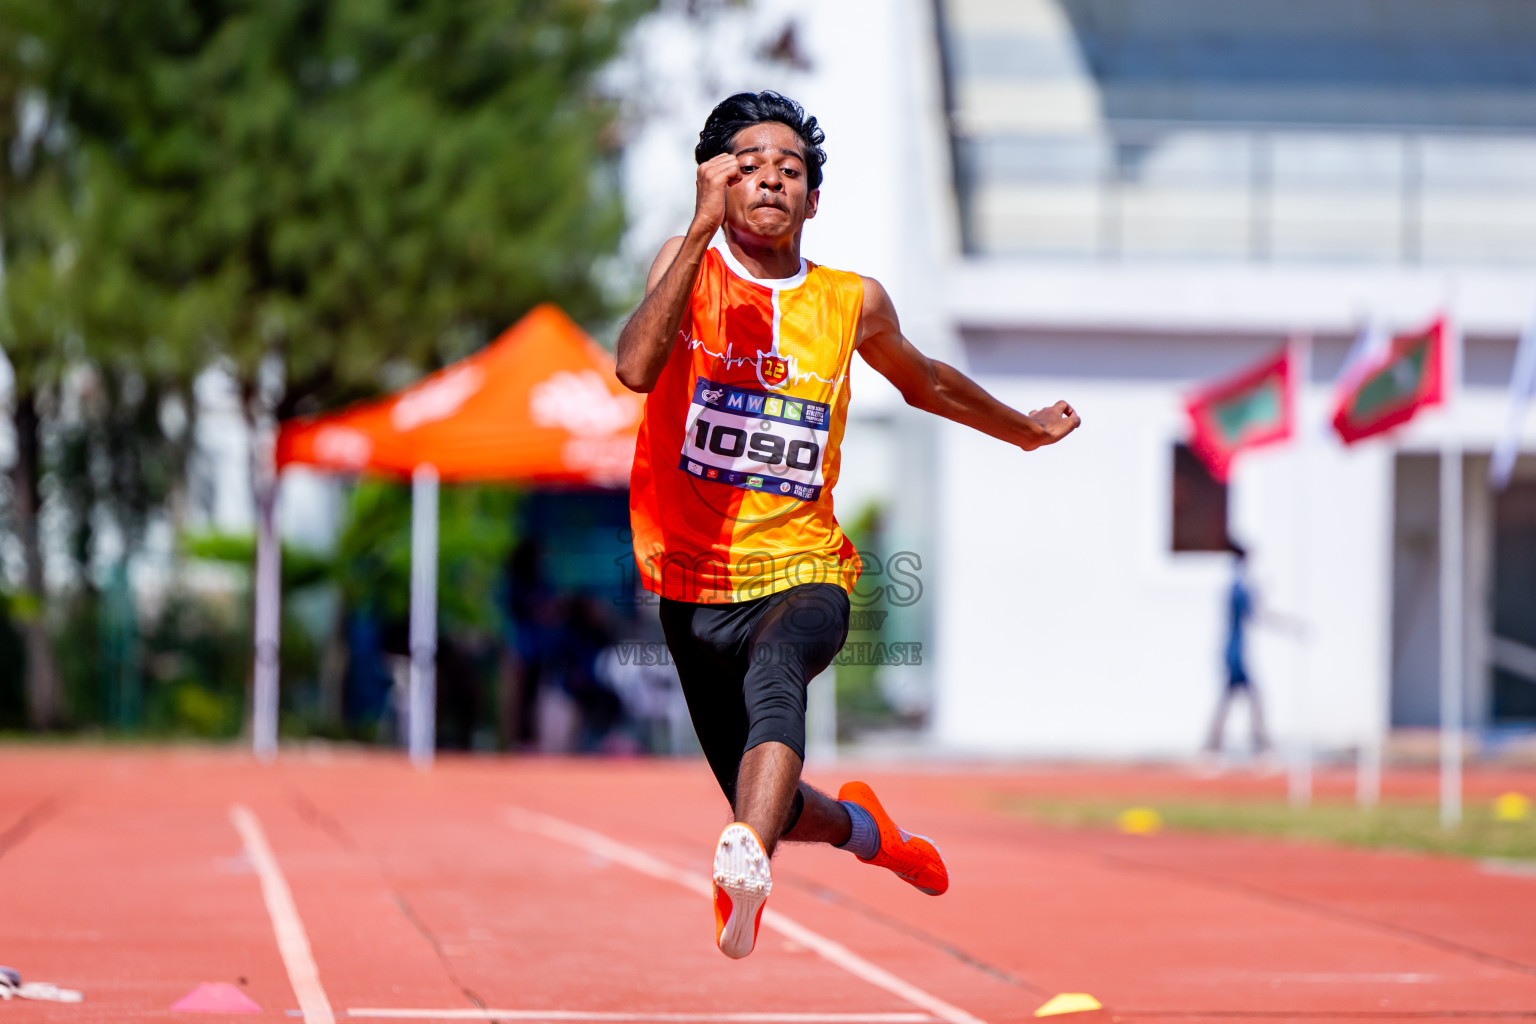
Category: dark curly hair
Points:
column 746, row 109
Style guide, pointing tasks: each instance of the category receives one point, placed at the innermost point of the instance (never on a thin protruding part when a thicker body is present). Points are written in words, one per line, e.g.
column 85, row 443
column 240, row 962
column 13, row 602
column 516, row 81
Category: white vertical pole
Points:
column 821, row 717
column 1299, row 779
column 1368, row 774
column 1451, row 610
column 268, row 596
column 422, row 696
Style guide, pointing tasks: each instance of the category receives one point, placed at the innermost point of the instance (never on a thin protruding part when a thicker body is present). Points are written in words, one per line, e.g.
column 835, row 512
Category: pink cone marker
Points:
column 216, row 997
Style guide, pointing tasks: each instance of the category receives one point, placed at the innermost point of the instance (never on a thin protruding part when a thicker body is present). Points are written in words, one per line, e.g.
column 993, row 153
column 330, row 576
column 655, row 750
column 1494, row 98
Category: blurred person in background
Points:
column 584, row 636
column 554, row 639
column 1240, row 610
column 532, row 625
column 742, row 349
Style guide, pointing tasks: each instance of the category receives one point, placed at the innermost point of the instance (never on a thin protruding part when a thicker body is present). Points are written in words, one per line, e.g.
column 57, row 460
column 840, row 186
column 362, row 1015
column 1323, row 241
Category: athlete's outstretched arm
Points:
column 646, row 341
column 939, row 388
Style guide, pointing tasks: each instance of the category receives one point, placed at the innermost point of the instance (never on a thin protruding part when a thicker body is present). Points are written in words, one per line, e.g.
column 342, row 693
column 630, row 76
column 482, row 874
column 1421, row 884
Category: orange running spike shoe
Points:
column 742, row 884
column 913, row 858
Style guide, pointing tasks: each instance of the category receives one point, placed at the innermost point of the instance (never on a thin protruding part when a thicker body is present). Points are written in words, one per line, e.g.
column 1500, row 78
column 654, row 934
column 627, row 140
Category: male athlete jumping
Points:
column 743, row 349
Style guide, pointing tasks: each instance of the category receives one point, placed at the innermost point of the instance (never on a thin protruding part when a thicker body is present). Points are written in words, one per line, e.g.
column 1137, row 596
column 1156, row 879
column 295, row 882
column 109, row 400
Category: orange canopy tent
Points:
column 540, row 404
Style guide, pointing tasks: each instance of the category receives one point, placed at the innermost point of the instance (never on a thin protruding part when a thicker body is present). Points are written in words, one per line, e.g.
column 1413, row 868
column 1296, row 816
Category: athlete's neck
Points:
column 766, row 258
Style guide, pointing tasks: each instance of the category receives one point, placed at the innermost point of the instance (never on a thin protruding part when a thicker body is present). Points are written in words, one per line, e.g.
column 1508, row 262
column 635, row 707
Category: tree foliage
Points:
column 345, row 186
column 324, row 198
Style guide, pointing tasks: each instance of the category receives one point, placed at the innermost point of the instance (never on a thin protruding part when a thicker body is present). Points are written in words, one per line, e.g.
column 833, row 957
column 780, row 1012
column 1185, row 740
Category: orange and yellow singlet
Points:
column 731, row 492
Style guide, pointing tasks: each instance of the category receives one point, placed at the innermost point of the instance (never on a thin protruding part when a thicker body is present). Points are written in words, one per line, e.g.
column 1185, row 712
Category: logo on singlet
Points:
column 772, row 370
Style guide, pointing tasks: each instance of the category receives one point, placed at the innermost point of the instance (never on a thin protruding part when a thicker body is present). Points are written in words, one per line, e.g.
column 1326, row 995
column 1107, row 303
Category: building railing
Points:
column 1262, row 194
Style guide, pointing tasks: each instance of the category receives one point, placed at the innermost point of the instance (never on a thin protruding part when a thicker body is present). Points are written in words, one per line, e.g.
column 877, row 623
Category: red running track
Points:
column 574, row 891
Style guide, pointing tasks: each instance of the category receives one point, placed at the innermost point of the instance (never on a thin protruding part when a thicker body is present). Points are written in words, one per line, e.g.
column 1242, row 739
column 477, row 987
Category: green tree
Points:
column 329, row 190
column 91, row 380
column 35, row 325
column 325, row 197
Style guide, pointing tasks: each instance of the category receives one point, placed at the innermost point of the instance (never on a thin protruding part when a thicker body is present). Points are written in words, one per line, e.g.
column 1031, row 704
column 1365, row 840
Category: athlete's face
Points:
column 773, row 197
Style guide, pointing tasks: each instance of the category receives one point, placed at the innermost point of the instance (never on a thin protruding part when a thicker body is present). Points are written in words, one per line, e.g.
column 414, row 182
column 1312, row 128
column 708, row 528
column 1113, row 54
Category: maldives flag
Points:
column 1393, row 385
column 1253, row 408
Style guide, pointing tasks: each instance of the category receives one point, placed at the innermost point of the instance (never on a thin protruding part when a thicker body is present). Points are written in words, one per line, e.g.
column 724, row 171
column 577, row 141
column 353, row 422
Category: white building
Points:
column 1154, row 193
column 1112, row 202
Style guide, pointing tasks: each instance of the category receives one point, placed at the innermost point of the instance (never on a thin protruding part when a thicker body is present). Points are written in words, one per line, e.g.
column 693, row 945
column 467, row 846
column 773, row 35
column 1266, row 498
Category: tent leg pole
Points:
column 422, row 700
column 268, row 596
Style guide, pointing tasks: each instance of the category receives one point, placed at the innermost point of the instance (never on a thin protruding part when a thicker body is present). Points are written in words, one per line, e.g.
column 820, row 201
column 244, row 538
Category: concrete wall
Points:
column 1067, row 623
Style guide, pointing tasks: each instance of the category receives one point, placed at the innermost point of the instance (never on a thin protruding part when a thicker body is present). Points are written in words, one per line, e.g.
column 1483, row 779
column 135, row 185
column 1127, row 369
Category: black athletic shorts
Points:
column 745, row 667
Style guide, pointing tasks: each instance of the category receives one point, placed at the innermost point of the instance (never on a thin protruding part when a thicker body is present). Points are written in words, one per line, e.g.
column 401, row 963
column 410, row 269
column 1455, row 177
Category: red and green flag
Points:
column 1394, row 384
column 1253, row 408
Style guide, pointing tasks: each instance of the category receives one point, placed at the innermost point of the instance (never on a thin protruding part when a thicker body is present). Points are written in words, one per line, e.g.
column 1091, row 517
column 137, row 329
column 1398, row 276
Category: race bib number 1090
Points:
column 756, row 440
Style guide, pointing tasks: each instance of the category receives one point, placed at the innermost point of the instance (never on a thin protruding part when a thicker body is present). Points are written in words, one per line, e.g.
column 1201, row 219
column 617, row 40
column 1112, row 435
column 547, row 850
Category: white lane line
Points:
column 292, row 942
column 650, row 1018
column 834, row 952
column 1508, row 866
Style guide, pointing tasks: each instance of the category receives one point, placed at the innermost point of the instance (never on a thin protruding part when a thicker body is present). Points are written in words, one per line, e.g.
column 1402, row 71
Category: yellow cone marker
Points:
column 1069, row 1002
column 1076, row 1008
column 1140, row 821
column 1512, row 807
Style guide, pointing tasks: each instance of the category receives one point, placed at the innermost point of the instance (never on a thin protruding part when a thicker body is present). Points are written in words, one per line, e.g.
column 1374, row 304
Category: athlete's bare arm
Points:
column 939, row 388
column 646, row 341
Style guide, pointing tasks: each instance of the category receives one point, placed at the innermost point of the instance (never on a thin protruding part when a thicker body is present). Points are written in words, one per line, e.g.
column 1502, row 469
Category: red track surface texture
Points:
column 568, row 891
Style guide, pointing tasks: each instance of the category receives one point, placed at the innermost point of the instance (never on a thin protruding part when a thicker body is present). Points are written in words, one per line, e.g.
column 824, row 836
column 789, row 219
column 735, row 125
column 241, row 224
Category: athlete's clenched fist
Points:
column 715, row 176
column 1055, row 423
